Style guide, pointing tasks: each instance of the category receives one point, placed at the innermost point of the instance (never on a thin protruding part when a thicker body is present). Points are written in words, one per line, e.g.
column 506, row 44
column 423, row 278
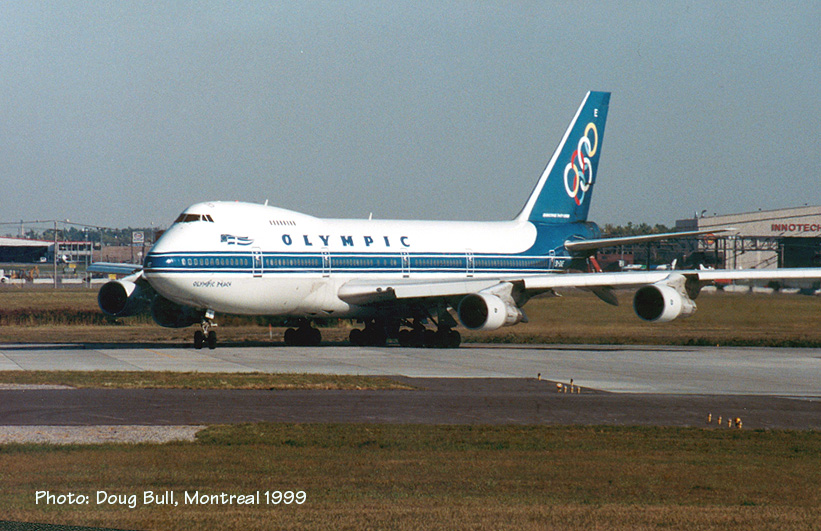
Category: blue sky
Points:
column 124, row 113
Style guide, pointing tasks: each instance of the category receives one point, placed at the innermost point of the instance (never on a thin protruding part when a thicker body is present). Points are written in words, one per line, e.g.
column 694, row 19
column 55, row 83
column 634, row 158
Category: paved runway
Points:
column 618, row 369
column 767, row 388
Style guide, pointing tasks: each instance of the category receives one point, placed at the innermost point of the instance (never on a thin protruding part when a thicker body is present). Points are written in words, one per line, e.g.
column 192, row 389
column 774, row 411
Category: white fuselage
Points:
column 258, row 260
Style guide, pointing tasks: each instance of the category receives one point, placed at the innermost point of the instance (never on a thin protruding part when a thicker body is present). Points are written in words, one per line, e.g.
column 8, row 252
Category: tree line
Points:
column 614, row 231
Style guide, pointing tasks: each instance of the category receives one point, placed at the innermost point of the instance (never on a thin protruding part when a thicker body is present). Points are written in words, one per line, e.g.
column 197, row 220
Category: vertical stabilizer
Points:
column 563, row 192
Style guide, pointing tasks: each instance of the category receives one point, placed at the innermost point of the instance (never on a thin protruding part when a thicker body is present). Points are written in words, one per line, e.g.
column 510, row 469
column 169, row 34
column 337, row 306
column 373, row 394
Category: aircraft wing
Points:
column 385, row 292
column 635, row 279
column 368, row 292
column 588, row 245
column 379, row 292
column 112, row 268
column 365, row 292
column 810, row 273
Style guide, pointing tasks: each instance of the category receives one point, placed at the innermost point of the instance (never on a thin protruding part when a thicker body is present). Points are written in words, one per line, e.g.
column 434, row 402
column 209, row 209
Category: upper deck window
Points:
column 188, row 218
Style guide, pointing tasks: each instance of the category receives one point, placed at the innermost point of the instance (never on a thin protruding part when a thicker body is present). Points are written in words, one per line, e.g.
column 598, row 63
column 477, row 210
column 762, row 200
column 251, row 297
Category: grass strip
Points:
column 197, row 380
column 422, row 477
column 728, row 319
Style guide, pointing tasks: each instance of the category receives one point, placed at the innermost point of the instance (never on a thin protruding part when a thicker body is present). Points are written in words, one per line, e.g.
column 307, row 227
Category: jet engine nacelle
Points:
column 172, row 315
column 121, row 298
column 486, row 311
column 664, row 301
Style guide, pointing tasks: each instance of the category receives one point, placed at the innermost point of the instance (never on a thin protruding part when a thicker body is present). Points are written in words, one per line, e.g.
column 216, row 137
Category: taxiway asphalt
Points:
column 617, row 369
column 476, row 384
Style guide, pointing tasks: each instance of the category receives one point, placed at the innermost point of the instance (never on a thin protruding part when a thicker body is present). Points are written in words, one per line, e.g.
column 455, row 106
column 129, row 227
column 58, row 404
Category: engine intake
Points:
column 487, row 311
column 664, row 301
column 121, row 298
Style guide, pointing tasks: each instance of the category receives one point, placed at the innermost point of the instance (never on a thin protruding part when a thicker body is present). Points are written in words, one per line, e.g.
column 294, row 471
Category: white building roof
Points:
column 20, row 242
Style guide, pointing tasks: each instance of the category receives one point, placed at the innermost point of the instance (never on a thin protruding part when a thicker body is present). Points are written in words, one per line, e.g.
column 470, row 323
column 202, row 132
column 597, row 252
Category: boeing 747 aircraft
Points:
column 402, row 279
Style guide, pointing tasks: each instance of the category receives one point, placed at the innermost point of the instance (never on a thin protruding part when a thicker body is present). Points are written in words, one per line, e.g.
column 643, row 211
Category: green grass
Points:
column 423, row 477
column 196, row 380
column 46, row 298
column 730, row 319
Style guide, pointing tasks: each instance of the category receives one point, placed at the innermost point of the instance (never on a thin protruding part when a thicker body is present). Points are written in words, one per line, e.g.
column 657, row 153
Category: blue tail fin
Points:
column 563, row 192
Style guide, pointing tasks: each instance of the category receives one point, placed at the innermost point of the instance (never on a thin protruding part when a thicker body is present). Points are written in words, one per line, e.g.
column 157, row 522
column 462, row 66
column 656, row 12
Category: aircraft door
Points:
column 405, row 264
column 256, row 262
column 326, row 263
column 470, row 263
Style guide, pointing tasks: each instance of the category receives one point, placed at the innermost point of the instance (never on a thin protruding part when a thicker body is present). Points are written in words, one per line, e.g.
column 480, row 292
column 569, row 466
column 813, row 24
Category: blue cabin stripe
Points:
column 273, row 263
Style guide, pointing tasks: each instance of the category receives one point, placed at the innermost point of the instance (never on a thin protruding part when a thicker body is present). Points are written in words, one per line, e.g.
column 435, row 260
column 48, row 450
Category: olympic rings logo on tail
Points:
column 578, row 174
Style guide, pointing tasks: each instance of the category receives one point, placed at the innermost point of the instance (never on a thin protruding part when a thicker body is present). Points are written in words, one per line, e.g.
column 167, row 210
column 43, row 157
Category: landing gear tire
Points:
column 199, row 339
column 447, row 338
column 304, row 336
column 442, row 338
column 454, row 339
column 367, row 338
column 316, row 337
column 357, row 337
column 417, row 337
column 374, row 335
column 205, row 336
column 429, row 338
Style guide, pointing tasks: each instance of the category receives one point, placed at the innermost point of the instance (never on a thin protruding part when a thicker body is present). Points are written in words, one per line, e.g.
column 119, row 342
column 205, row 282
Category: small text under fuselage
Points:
column 212, row 284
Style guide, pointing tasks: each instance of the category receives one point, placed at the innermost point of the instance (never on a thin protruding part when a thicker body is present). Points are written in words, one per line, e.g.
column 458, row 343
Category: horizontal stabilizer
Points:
column 600, row 243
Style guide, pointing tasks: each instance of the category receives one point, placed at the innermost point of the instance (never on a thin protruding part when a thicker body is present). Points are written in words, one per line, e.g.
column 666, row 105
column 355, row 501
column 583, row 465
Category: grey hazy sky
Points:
column 124, row 113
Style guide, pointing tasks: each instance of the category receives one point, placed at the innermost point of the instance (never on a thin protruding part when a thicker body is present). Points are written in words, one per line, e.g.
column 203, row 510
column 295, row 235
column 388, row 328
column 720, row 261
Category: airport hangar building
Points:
column 21, row 250
column 788, row 237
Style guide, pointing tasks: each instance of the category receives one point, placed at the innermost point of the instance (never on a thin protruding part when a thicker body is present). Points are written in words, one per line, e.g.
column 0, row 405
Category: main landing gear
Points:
column 303, row 336
column 206, row 336
column 376, row 334
column 425, row 337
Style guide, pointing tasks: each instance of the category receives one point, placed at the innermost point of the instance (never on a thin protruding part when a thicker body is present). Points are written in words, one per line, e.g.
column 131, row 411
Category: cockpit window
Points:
column 188, row 218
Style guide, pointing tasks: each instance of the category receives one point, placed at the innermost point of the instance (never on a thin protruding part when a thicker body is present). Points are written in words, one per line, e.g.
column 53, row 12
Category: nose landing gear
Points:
column 206, row 336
